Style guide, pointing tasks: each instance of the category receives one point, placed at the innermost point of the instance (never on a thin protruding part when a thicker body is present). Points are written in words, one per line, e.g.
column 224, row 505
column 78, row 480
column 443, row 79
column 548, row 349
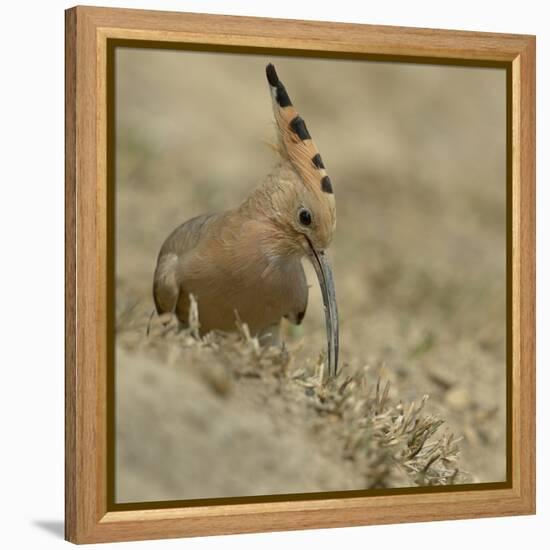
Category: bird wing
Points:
column 167, row 283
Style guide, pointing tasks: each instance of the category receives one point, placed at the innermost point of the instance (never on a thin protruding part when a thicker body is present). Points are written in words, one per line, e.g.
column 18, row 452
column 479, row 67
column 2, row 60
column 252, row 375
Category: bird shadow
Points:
column 54, row 527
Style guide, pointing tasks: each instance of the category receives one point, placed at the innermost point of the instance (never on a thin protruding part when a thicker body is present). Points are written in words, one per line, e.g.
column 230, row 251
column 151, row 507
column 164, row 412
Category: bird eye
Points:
column 305, row 217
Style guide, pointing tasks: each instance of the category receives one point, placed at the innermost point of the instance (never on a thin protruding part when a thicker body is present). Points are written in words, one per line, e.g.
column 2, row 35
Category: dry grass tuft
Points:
column 388, row 443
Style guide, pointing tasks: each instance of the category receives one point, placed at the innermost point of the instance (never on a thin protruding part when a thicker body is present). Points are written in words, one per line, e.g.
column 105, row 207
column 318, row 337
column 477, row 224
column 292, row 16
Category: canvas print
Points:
column 309, row 275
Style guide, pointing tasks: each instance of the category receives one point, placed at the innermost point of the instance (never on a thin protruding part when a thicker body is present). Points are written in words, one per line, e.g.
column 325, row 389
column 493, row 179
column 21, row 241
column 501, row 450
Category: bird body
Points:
column 228, row 263
column 245, row 263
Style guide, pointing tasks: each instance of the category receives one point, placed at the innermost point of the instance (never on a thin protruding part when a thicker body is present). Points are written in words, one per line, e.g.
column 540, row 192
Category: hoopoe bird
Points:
column 245, row 263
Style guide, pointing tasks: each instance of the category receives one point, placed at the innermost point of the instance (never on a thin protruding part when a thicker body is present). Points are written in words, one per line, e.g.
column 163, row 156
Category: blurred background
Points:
column 417, row 157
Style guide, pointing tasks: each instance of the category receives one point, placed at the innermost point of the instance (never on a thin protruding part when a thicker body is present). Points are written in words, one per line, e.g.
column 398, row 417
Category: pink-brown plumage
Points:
column 245, row 263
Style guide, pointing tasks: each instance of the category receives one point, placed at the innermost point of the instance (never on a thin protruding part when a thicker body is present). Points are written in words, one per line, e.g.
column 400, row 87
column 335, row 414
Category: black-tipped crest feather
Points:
column 318, row 162
column 281, row 95
column 271, row 74
column 326, row 185
column 298, row 126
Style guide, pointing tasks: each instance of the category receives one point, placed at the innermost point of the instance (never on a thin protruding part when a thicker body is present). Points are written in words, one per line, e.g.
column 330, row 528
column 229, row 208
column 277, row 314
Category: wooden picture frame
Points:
column 90, row 33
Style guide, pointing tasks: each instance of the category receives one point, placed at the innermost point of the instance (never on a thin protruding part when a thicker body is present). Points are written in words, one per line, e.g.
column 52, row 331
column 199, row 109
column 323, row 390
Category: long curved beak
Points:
column 326, row 282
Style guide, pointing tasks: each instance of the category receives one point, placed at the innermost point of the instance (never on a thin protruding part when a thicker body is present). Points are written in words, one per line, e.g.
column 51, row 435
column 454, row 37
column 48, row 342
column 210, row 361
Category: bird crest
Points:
column 295, row 142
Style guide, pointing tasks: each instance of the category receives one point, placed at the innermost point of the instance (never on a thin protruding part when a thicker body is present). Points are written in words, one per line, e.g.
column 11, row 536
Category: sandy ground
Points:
column 417, row 159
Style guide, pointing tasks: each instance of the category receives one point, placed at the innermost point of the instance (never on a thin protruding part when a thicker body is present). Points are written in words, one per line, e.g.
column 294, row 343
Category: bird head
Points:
column 305, row 205
column 309, row 200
